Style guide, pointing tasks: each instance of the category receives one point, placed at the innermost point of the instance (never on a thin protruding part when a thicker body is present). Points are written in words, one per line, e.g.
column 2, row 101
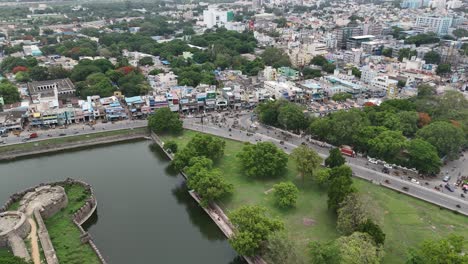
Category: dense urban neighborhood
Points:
column 301, row 131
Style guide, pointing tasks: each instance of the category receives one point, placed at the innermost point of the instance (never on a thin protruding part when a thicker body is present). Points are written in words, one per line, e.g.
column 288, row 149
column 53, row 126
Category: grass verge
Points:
column 65, row 235
column 405, row 220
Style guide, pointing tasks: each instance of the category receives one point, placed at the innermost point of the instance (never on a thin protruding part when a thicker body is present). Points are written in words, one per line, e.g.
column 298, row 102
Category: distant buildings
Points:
column 215, row 17
column 32, row 50
column 438, row 25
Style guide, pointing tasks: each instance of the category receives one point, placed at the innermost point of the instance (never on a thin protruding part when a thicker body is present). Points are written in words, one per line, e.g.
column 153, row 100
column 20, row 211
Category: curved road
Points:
column 358, row 165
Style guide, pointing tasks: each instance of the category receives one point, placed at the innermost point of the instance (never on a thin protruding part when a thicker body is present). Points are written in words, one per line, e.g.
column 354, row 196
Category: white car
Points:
column 388, row 166
column 372, row 160
column 414, row 181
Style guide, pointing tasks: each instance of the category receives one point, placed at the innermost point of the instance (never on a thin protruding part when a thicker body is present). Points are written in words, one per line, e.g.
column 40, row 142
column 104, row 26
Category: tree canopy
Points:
column 9, row 92
column 253, row 227
column 165, row 121
column 307, row 161
column 447, row 138
column 262, row 160
column 335, row 159
column 286, row 194
column 447, row 250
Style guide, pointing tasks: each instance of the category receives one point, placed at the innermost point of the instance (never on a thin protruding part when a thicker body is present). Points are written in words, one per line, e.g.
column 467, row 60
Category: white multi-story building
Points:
column 368, row 74
column 413, row 64
column 214, row 16
column 438, row 25
column 383, row 83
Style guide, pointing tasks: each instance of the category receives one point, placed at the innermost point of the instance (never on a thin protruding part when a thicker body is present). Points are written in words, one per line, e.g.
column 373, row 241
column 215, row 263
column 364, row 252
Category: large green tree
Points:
column 9, row 92
column 165, row 121
column 291, row 117
column 307, row 161
column 447, row 138
column 423, row 156
column 286, row 194
column 252, row 229
column 341, row 186
column 334, row 159
column 207, row 182
column 432, row 57
column 275, row 57
column 351, row 214
column 280, row 249
column 448, row 250
column 262, row 160
column 357, row 248
column 388, row 145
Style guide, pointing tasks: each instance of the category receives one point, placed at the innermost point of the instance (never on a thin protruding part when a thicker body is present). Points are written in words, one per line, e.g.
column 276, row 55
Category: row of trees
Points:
column 414, row 132
column 363, row 239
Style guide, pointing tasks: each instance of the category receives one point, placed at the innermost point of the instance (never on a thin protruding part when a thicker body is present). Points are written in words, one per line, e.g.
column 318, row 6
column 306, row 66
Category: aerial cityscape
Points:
column 234, row 132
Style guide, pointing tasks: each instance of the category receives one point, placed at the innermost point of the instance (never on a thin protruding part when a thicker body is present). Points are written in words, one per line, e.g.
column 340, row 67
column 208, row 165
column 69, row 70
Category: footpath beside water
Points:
column 213, row 210
column 51, row 145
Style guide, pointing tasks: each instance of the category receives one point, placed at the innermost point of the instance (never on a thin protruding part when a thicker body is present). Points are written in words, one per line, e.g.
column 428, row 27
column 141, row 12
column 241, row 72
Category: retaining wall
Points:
column 214, row 211
column 72, row 145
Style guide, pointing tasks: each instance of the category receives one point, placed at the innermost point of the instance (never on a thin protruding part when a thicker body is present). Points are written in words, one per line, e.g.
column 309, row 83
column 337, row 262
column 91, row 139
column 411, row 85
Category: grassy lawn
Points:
column 65, row 235
column 405, row 220
column 5, row 252
column 61, row 140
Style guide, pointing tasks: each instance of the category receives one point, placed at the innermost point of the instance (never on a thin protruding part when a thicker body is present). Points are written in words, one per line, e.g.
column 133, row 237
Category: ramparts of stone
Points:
column 78, row 218
column 46, row 243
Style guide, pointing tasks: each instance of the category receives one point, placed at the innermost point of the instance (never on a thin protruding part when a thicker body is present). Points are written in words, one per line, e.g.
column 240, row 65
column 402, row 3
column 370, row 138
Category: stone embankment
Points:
column 79, row 218
column 8, row 155
column 213, row 210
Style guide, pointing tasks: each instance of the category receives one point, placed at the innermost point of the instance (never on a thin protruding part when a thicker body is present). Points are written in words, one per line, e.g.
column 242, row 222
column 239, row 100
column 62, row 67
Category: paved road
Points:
column 72, row 130
column 359, row 166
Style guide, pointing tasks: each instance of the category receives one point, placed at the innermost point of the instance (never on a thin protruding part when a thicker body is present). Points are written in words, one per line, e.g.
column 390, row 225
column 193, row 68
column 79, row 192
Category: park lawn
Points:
column 4, row 252
column 65, row 235
column 405, row 220
column 71, row 139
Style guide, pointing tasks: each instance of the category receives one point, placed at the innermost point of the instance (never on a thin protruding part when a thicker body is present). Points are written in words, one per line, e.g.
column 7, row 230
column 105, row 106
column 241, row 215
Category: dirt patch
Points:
column 308, row 221
column 268, row 191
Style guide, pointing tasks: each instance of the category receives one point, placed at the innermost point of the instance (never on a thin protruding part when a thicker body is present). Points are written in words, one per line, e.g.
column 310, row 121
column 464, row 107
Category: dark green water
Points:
column 145, row 214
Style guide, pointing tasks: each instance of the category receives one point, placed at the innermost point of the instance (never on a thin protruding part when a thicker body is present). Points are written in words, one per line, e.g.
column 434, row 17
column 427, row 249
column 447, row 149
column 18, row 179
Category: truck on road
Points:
column 348, row 151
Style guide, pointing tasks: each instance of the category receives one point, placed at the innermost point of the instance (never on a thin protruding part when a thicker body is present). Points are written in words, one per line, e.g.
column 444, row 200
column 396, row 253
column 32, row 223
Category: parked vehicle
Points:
column 388, row 166
column 372, row 160
column 386, row 170
column 446, row 178
column 415, row 181
column 33, row 135
column 348, row 151
column 449, row 187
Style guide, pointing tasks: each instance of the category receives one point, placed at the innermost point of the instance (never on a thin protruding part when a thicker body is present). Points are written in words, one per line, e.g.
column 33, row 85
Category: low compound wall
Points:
column 80, row 216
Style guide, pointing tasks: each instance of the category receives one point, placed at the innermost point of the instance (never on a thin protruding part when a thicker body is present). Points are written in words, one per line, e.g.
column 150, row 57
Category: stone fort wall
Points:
column 21, row 229
column 79, row 217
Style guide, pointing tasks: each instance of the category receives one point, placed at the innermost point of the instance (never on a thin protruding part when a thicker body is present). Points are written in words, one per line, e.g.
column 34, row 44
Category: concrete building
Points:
column 438, row 25
column 32, row 50
column 383, row 83
column 356, row 41
column 368, row 74
column 342, row 35
column 62, row 88
column 412, row 4
column 214, row 16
